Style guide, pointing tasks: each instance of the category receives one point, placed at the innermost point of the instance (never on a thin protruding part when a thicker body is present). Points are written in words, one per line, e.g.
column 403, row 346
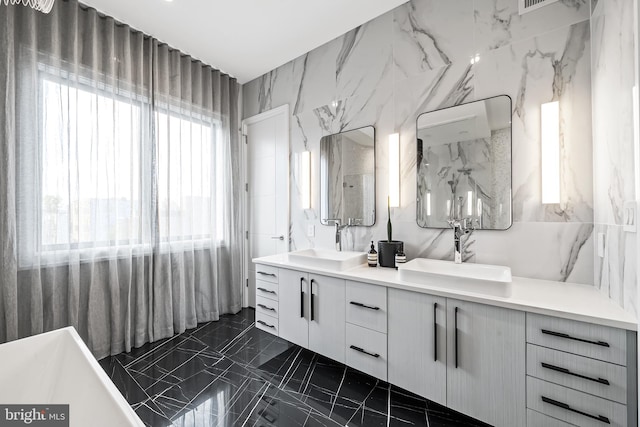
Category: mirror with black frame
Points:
column 348, row 178
column 464, row 165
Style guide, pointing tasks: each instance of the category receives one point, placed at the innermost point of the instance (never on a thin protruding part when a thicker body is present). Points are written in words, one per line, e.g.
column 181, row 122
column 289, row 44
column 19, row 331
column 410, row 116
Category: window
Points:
column 99, row 165
column 190, row 178
column 91, row 186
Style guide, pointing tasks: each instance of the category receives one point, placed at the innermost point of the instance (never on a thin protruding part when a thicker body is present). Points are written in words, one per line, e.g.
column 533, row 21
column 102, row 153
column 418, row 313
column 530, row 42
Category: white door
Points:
column 267, row 169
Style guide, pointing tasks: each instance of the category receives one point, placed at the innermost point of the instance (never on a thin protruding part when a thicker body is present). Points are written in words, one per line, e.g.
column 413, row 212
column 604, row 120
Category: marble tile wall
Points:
column 613, row 77
column 417, row 58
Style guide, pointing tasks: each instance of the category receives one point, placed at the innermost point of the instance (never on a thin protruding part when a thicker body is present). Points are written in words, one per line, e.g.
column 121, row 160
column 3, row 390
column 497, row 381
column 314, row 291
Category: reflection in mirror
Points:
column 347, row 177
column 464, row 165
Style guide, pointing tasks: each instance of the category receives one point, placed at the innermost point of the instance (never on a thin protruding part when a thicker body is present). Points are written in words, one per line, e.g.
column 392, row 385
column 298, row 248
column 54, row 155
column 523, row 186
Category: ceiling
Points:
column 244, row 38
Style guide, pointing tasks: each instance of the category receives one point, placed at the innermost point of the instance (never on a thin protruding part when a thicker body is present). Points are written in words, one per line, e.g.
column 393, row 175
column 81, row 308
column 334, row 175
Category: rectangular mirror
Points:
column 464, row 165
column 348, row 177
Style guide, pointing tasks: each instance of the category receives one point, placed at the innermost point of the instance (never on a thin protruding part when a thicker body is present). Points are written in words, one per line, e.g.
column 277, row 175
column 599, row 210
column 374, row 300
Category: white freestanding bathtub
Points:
column 57, row 368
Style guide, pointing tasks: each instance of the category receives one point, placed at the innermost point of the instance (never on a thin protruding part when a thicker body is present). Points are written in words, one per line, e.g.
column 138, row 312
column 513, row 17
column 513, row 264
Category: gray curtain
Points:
column 119, row 182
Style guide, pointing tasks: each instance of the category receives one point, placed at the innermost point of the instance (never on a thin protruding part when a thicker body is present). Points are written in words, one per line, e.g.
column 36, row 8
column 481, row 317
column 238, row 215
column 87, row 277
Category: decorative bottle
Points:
column 401, row 258
column 372, row 256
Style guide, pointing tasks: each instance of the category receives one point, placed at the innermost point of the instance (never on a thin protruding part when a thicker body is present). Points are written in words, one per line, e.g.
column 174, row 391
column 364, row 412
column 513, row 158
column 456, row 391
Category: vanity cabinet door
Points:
column 294, row 306
column 327, row 316
column 486, row 363
column 417, row 343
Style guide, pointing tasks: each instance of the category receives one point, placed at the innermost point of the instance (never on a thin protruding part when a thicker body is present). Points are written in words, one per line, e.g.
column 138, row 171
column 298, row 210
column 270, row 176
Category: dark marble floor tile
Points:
column 255, row 347
column 203, row 362
column 151, row 415
column 218, row 335
column 440, row 416
column 167, row 355
column 161, row 368
column 255, row 403
column 130, row 389
column 228, row 373
column 222, row 382
column 344, row 394
column 140, row 352
column 270, row 357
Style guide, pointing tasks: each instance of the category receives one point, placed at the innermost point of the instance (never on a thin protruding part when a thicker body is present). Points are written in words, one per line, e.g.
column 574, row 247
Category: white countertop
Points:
column 565, row 300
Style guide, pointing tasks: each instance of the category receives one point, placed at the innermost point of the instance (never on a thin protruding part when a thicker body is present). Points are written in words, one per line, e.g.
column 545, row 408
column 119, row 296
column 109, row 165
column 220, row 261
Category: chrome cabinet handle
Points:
column 363, row 351
column 266, row 290
column 266, row 308
column 600, row 418
column 568, row 372
column 278, row 237
column 359, row 304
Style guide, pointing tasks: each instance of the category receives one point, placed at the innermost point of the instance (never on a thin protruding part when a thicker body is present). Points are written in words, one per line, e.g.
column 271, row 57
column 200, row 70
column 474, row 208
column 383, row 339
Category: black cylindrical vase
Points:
column 387, row 251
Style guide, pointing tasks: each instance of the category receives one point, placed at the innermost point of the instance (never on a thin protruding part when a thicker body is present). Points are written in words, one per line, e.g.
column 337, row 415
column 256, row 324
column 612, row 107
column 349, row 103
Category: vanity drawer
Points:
column 574, row 407
column 267, row 323
column 536, row 419
column 586, row 339
column 367, row 305
column 267, row 289
column 266, row 273
column 580, row 373
column 266, row 306
column 367, row 351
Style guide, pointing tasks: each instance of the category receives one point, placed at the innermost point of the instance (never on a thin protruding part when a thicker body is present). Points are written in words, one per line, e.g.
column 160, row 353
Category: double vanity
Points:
column 508, row 351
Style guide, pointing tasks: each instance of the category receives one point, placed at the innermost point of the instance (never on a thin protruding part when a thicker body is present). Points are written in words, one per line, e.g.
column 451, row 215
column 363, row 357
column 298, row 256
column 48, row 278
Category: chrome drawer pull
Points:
column 376, row 355
column 359, row 304
column 266, row 324
column 266, row 274
column 569, row 337
column 568, row 372
column 266, row 290
column 600, row 418
column 266, row 308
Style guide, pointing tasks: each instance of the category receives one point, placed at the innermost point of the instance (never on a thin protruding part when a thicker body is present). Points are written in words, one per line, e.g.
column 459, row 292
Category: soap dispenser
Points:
column 372, row 256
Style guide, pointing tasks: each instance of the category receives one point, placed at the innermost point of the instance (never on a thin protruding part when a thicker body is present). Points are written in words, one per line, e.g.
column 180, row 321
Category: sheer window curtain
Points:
column 119, row 182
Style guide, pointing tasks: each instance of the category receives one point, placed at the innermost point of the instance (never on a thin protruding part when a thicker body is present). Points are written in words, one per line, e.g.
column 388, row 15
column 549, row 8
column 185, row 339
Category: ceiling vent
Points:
column 531, row 5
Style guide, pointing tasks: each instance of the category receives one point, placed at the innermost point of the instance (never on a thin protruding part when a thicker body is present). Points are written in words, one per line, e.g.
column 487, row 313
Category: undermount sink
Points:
column 328, row 259
column 479, row 278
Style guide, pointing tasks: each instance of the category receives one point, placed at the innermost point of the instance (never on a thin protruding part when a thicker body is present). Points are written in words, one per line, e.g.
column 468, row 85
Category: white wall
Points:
column 613, row 78
column 416, row 58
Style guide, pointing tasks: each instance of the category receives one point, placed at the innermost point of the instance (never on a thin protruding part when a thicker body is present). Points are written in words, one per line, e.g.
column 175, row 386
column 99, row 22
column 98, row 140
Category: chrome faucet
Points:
column 339, row 229
column 460, row 227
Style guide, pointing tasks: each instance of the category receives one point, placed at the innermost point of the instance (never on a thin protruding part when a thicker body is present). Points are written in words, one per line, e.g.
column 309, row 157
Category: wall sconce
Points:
column 428, row 203
column 550, row 152
column 394, row 170
column 305, row 179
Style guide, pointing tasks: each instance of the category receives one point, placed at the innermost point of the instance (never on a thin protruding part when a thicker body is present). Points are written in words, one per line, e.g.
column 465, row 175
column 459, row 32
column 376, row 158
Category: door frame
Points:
column 283, row 111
